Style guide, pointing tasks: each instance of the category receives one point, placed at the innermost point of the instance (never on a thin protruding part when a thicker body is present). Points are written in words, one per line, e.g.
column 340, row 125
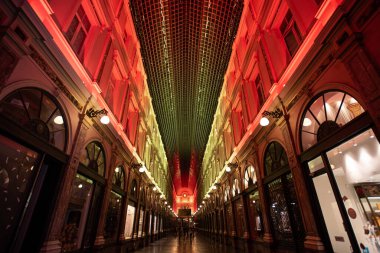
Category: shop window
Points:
column 235, row 188
column 79, row 207
column 283, row 205
column 78, row 30
column 113, row 216
column 326, row 114
column 18, row 170
column 38, row 112
column 95, row 158
column 131, row 209
column 118, row 177
column 275, row 158
column 254, row 214
column 133, row 191
column 290, row 33
column 141, row 219
column 355, row 167
column 250, row 178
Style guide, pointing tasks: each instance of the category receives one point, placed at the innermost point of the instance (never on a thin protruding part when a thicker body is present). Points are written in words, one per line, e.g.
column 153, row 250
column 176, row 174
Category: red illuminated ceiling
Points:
column 186, row 46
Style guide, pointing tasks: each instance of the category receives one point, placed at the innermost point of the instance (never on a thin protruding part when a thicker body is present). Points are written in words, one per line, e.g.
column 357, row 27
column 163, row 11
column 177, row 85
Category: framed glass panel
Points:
column 113, row 216
column 250, row 178
column 118, row 177
column 356, row 168
column 326, row 114
column 18, row 169
column 279, row 211
column 76, row 216
column 275, row 158
column 255, row 215
column 94, row 158
column 141, row 220
column 129, row 221
column 38, row 112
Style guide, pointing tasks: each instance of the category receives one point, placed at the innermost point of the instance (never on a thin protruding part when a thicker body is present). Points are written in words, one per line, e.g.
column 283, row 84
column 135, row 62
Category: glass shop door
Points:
column 346, row 180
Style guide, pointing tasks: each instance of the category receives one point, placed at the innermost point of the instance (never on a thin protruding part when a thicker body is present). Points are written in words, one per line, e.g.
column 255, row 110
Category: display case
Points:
column 369, row 196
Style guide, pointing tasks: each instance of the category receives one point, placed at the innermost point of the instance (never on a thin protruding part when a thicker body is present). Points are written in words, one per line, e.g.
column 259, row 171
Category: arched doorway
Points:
column 285, row 216
column 341, row 158
column 33, row 140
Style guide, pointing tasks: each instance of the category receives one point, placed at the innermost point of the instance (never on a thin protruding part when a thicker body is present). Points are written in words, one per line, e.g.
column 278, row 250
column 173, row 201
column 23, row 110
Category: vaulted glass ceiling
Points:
column 186, row 46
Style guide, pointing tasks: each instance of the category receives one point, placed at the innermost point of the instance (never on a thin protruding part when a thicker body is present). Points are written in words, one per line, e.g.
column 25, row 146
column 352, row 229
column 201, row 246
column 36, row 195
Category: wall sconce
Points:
column 138, row 166
column 276, row 114
column 231, row 166
column 91, row 113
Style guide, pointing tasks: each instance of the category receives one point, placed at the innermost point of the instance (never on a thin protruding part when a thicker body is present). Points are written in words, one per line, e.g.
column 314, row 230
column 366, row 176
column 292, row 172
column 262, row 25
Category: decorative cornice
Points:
column 53, row 76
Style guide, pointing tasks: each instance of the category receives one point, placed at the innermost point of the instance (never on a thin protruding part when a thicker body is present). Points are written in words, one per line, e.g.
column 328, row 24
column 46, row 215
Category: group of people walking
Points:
column 185, row 230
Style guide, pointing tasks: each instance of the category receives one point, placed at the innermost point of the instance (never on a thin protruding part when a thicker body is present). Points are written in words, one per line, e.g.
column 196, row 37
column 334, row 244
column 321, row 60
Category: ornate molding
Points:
column 53, row 76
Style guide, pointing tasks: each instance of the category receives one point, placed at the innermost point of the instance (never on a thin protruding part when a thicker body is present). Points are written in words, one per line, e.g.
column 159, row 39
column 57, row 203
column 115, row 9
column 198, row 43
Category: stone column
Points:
column 53, row 244
column 312, row 239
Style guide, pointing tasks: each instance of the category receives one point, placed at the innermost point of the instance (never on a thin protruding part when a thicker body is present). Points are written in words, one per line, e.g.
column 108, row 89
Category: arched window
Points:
column 250, row 178
column 37, row 111
column 118, row 177
column 325, row 114
column 275, row 158
column 235, row 187
column 95, row 158
column 133, row 190
column 227, row 193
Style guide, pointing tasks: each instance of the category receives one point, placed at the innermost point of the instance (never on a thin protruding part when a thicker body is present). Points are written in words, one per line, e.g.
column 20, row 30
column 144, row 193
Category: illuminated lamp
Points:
column 58, row 120
column 276, row 114
column 155, row 188
column 264, row 121
column 142, row 169
column 91, row 113
column 166, row 202
column 105, row 120
column 214, row 187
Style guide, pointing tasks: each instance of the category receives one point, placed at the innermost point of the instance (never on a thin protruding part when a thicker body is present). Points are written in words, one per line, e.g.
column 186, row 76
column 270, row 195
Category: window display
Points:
column 254, row 211
column 18, row 168
column 141, row 219
column 113, row 216
column 129, row 222
column 356, row 168
column 76, row 216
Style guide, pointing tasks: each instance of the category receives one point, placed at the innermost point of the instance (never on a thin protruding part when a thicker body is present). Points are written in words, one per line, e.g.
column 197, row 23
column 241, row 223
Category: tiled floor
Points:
column 199, row 244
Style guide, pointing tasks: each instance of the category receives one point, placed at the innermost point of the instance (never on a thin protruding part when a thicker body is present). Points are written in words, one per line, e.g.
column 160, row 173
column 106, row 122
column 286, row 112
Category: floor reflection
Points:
column 199, row 244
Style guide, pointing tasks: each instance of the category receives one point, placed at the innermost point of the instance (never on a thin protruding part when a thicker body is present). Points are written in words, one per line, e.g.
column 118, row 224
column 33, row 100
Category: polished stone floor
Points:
column 199, row 244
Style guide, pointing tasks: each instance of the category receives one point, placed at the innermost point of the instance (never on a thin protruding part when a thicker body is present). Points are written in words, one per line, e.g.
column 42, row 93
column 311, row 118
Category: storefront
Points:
column 116, row 201
column 238, row 209
column 342, row 166
column 33, row 140
column 82, row 216
column 141, row 231
column 252, row 201
column 285, row 216
column 131, row 210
